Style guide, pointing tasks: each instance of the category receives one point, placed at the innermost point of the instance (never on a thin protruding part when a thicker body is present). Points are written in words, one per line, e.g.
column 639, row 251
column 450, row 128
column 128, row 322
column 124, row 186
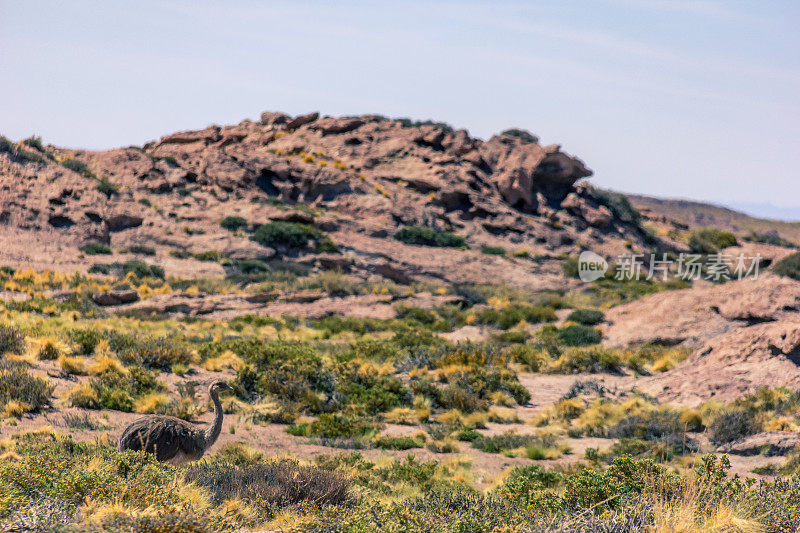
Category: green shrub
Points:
column 506, row 441
column 524, row 484
column 732, row 425
column 663, row 425
column 493, row 250
column 34, row 142
column 252, row 266
column 589, row 359
column 160, row 353
column 587, row 317
column 106, row 187
column 96, row 249
column 332, row 426
column 19, row 385
column 111, row 390
column 770, row 238
column 76, row 165
column 233, row 223
column 788, row 266
column 578, row 335
column 142, row 270
column 85, row 339
column 511, row 315
column 270, row 486
column 423, row 236
column 11, row 340
column 181, row 254
column 292, row 235
column 208, row 255
column 398, row 443
column 710, row 240
column 142, row 250
column 512, row 337
column 619, row 205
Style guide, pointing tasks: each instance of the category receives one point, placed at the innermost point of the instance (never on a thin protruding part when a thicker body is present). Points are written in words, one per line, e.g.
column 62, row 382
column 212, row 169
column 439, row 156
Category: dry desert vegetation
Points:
column 396, row 307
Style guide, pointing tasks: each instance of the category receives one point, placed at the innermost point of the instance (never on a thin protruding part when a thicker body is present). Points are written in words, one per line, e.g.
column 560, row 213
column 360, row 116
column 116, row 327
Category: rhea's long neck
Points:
column 213, row 432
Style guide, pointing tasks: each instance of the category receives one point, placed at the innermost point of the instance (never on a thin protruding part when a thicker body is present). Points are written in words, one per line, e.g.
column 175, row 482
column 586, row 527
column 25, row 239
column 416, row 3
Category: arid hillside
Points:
column 398, row 312
column 357, row 179
column 699, row 214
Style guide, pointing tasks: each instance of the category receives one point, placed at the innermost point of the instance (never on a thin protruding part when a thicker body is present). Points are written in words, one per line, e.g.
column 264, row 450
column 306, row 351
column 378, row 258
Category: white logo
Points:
column 591, row 266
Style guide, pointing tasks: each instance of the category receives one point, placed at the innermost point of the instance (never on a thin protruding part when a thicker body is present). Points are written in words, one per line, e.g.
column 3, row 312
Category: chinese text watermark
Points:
column 717, row 267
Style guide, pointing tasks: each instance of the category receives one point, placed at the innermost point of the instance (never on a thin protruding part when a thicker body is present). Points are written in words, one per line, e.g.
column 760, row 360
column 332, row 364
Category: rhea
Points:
column 171, row 439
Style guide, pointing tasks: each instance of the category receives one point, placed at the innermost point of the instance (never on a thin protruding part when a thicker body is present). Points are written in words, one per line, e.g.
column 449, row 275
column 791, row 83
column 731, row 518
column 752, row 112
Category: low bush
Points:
column 233, row 223
column 710, row 240
column 524, row 482
column 512, row 314
column 619, row 205
column 76, row 165
column 579, row 335
column 589, row 359
column 19, row 386
column 96, row 249
column 271, row 486
column 788, row 267
column 424, row 236
column 663, row 425
column 114, row 388
column 493, row 250
column 141, row 250
column 587, row 317
column 137, row 267
column 398, row 443
column 293, row 236
column 770, row 238
column 159, row 353
column 11, row 340
column 732, row 425
column 507, row 441
column 106, row 187
column 332, row 426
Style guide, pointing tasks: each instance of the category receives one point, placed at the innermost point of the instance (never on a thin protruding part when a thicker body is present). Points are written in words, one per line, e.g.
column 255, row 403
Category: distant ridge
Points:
column 698, row 214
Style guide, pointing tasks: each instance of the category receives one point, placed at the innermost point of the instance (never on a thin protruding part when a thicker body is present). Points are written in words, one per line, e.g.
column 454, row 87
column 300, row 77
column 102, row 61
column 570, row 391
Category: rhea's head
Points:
column 219, row 386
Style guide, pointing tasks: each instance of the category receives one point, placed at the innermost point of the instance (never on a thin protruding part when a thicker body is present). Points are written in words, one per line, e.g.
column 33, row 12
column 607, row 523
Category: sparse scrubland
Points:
column 397, row 307
column 407, row 420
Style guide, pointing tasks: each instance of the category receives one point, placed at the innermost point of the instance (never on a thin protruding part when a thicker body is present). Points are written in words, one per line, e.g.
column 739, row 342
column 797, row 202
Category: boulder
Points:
column 247, row 250
column 334, row 262
column 269, row 118
column 262, row 297
column 301, row 120
column 302, row 296
column 123, row 221
column 394, row 273
column 115, row 297
column 207, row 135
column 330, row 125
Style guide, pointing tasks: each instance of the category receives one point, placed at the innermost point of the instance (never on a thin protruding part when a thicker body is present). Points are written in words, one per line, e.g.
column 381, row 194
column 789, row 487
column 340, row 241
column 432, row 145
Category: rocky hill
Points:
column 698, row 214
column 357, row 179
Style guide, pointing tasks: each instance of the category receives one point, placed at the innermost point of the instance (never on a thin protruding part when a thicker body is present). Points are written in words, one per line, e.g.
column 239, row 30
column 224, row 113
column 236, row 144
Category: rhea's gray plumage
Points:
column 171, row 439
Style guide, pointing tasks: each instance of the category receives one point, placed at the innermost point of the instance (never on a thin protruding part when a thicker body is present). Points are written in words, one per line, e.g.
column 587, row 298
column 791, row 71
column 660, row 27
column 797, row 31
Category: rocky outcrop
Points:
column 767, row 443
column 523, row 170
column 362, row 176
column 735, row 363
column 696, row 315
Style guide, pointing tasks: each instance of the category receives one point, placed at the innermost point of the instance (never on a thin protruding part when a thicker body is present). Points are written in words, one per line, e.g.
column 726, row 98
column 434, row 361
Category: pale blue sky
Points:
column 672, row 98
